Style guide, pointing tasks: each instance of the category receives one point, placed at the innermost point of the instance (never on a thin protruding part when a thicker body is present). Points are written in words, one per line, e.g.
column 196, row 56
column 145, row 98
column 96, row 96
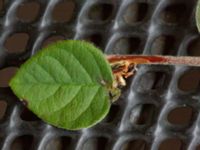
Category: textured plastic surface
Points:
column 157, row 110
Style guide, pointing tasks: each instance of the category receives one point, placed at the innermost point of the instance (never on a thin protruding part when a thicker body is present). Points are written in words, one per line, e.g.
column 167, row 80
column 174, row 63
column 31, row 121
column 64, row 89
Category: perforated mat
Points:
column 159, row 109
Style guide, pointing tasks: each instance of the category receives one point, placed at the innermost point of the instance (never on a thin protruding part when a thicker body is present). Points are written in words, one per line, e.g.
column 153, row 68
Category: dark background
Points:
column 159, row 109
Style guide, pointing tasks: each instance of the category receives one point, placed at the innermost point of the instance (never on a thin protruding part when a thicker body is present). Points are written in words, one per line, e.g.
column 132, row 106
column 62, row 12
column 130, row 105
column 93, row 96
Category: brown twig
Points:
column 168, row 60
column 124, row 66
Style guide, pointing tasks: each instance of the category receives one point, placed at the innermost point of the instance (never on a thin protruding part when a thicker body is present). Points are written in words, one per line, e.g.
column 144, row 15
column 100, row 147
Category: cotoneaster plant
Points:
column 72, row 84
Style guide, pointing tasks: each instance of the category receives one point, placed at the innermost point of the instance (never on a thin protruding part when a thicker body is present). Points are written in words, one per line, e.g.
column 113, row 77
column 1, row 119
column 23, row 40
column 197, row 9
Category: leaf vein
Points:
column 39, row 65
column 66, row 71
column 70, row 101
column 88, row 105
column 75, row 58
column 49, row 96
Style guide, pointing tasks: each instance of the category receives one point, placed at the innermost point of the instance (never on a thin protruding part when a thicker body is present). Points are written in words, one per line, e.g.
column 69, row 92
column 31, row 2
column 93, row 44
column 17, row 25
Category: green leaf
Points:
column 63, row 84
column 198, row 15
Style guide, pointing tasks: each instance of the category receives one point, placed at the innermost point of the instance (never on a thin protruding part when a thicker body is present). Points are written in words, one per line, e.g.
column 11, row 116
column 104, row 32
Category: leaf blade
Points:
column 62, row 84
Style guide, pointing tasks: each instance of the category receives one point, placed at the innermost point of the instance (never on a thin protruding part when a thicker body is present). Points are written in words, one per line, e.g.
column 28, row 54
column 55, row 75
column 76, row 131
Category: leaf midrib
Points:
column 62, row 84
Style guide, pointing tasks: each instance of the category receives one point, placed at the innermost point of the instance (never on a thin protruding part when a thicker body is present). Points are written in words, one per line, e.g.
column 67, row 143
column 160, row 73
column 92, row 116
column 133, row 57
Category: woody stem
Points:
column 165, row 60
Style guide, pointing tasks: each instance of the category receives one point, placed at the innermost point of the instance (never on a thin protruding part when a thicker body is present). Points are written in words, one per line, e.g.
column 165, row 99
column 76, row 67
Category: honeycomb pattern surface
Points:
column 159, row 108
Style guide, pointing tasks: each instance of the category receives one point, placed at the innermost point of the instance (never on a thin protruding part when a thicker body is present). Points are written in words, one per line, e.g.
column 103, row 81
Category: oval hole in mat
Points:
column 16, row 43
column 3, row 107
column 135, row 12
column 198, row 147
column 173, row 14
column 143, row 114
column 163, row 44
column 189, row 81
column 100, row 12
column 171, row 144
column 6, row 74
column 28, row 11
column 152, row 81
column 127, row 45
column 193, row 47
column 113, row 113
column 95, row 38
column 1, row 4
column 52, row 39
column 63, row 11
column 180, row 115
column 27, row 115
column 137, row 144
column 60, row 143
column 22, row 143
column 96, row 143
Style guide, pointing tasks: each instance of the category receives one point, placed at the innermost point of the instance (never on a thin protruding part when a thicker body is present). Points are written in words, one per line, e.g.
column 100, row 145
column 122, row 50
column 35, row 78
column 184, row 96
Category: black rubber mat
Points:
column 158, row 110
